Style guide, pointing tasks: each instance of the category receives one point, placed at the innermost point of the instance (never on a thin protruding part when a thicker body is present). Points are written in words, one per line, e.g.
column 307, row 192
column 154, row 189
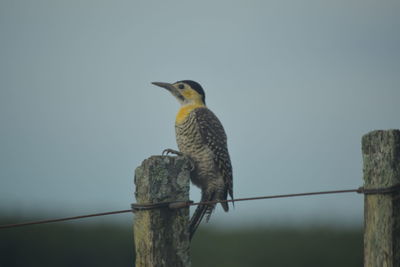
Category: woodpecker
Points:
column 201, row 137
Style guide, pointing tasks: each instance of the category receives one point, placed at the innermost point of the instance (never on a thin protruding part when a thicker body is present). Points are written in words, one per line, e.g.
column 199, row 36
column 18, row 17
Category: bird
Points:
column 201, row 137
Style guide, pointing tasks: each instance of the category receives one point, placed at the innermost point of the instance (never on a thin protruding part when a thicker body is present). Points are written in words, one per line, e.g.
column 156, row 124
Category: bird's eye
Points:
column 181, row 86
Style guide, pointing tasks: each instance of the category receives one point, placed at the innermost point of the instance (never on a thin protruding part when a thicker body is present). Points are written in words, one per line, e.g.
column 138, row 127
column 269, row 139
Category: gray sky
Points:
column 295, row 83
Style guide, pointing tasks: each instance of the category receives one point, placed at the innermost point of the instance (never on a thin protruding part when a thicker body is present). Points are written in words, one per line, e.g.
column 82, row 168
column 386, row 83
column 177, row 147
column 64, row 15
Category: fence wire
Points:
column 183, row 204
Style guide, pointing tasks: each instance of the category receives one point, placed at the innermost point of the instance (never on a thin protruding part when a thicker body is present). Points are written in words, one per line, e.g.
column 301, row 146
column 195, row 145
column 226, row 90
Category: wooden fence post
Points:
column 381, row 156
column 161, row 235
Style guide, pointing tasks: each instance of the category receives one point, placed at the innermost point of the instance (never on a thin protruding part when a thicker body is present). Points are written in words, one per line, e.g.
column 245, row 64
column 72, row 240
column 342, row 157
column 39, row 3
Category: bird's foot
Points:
column 172, row 151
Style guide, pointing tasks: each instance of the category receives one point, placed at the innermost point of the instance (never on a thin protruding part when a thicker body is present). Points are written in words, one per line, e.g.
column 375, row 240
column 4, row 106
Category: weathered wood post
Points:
column 161, row 235
column 381, row 155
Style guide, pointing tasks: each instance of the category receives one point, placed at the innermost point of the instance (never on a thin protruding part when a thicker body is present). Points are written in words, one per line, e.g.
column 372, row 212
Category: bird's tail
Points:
column 199, row 213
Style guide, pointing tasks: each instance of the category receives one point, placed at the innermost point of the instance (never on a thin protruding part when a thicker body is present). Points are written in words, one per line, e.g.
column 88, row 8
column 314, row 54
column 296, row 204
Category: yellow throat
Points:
column 185, row 110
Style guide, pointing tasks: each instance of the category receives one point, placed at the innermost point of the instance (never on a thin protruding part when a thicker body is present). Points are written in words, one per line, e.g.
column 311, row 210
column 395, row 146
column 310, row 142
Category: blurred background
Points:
column 295, row 83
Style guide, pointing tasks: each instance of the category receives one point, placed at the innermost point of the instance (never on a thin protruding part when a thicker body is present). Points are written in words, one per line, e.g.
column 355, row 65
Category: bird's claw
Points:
column 171, row 151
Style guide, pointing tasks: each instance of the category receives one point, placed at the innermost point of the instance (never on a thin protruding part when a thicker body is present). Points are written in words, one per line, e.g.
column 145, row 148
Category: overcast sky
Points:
column 295, row 83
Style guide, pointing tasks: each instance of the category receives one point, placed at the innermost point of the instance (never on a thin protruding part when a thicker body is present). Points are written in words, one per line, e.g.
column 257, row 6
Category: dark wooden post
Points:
column 381, row 155
column 161, row 235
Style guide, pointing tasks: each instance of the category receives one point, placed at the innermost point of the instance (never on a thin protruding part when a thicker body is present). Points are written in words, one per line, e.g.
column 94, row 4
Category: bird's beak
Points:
column 174, row 91
column 167, row 86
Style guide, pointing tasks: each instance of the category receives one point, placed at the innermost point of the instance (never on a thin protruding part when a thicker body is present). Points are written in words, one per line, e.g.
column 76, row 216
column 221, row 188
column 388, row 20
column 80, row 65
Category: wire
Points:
column 178, row 205
column 64, row 219
column 277, row 196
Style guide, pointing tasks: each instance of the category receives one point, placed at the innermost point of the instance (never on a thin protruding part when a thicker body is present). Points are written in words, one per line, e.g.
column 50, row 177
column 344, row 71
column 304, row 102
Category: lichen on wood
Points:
column 381, row 156
column 161, row 235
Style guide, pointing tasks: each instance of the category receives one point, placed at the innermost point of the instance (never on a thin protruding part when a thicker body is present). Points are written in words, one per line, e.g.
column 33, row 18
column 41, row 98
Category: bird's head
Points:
column 186, row 91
